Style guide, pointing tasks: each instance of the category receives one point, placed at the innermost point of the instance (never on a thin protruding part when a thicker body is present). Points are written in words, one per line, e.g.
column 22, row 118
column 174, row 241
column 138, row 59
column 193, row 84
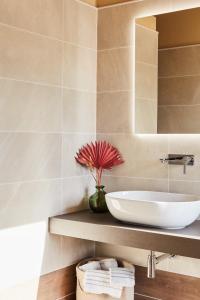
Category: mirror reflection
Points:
column 167, row 73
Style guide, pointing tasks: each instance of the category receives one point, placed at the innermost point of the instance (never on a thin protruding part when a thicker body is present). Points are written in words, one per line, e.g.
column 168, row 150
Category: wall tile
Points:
column 77, row 249
column 79, row 68
column 71, row 145
column 146, row 81
column 52, row 254
column 80, row 25
column 141, row 154
column 26, row 156
column 179, row 90
column 77, row 197
column 41, row 16
column 29, row 57
column 115, row 69
column 115, row 112
column 58, row 284
column 121, row 33
column 181, row 265
column 79, row 111
column 37, row 201
column 179, row 119
column 184, row 187
column 167, row 284
column 145, row 116
column 179, row 61
column 185, row 144
column 113, row 184
column 146, row 41
column 26, row 106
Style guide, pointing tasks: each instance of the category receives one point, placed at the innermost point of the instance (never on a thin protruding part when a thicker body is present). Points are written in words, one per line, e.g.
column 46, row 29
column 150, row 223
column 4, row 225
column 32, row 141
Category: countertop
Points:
column 104, row 228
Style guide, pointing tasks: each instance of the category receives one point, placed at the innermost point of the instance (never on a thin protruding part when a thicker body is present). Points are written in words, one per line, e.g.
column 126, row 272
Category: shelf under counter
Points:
column 104, row 228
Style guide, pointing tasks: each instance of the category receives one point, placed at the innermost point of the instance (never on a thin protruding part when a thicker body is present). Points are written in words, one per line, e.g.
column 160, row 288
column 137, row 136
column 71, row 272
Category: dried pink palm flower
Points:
column 99, row 156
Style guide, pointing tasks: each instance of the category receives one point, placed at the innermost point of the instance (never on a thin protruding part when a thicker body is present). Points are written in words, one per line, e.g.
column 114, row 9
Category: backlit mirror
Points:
column 167, row 73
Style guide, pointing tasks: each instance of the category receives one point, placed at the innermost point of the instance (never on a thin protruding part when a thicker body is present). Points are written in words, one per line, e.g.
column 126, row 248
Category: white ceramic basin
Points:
column 155, row 209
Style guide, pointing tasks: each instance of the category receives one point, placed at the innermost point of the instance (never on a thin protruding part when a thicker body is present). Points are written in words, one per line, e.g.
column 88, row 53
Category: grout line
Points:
column 178, row 76
column 46, row 36
column 179, row 47
column 86, row 4
column 132, row 177
column 88, row 175
column 168, row 165
column 146, row 99
column 30, row 82
column 116, row 48
column 62, row 115
column 79, row 90
column 155, row 179
column 66, row 296
column 44, row 180
column 146, row 64
column 47, row 85
column 146, row 28
column 144, row 134
column 178, row 105
column 79, row 46
column 78, row 133
column 147, row 296
column 114, row 91
column 120, row 4
column 97, row 75
column 11, row 131
column 30, row 32
column 15, row 131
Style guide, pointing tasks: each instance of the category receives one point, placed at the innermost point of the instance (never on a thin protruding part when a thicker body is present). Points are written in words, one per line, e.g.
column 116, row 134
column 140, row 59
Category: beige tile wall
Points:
column 178, row 90
column 48, row 109
column 142, row 169
column 146, row 79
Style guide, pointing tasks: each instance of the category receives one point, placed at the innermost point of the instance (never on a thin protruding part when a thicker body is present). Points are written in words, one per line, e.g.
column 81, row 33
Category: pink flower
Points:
column 99, row 156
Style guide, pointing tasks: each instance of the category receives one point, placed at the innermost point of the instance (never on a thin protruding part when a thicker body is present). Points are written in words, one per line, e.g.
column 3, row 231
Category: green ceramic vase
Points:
column 97, row 201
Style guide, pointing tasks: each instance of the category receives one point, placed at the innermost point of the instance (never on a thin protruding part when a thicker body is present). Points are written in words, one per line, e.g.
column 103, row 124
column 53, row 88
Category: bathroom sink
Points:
column 155, row 209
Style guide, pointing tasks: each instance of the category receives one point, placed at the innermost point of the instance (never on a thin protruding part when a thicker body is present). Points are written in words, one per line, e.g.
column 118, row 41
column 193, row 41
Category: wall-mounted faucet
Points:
column 179, row 159
column 153, row 260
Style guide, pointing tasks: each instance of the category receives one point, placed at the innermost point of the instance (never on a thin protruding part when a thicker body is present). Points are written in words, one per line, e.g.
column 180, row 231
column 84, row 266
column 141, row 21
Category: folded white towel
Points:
column 108, row 263
column 91, row 265
column 98, row 282
column 122, row 277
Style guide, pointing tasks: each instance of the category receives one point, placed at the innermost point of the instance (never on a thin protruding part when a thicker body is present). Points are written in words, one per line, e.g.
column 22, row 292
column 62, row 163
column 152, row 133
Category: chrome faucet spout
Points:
column 154, row 260
column 179, row 159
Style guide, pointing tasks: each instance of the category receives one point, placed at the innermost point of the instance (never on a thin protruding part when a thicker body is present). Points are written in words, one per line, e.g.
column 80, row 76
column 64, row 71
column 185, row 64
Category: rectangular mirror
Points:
column 167, row 73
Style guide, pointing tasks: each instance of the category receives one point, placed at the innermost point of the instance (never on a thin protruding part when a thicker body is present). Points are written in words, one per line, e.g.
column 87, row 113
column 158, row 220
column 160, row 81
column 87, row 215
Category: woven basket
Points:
column 127, row 293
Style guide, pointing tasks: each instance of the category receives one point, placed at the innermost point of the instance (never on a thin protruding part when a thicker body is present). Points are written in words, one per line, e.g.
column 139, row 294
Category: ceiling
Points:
column 100, row 3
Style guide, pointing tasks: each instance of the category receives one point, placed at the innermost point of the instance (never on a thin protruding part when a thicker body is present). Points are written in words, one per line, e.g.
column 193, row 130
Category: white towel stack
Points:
column 105, row 277
column 108, row 263
column 91, row 265
column 122, row 277
column 98, row 282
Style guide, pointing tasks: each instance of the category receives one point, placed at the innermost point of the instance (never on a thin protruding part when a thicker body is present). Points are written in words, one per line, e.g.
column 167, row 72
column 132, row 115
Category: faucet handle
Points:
column 179, row 159
column 163, row 160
